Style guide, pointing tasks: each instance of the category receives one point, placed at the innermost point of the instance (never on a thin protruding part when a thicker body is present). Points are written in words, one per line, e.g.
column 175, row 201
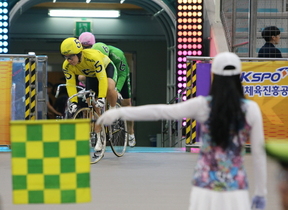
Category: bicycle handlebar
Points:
column 82, row 94
column 59, row 86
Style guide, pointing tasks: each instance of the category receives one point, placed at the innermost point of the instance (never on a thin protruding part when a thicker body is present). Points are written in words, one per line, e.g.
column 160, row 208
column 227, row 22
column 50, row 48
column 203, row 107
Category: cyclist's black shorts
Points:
column 92, row 83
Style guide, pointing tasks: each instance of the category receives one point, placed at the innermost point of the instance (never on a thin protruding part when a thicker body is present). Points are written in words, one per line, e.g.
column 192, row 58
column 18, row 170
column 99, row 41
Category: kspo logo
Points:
column 259, row 77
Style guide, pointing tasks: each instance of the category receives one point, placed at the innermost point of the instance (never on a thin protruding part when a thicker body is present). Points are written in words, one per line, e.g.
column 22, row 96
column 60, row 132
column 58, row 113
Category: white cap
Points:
column 226, row 64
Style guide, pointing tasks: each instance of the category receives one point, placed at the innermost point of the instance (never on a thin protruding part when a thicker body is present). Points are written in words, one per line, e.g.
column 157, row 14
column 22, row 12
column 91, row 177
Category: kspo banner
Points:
column 267, row 84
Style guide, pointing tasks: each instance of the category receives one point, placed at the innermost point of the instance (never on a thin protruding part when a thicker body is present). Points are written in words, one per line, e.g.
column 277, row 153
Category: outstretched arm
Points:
column 70, row 81
column 257, row 147
column 195, row 108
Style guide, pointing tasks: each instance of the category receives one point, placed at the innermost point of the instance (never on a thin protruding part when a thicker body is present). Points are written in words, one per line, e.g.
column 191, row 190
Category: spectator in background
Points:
column 227, row 120
column 51, row 112
column 61, row 101
column 271, row 35
column 278, row 150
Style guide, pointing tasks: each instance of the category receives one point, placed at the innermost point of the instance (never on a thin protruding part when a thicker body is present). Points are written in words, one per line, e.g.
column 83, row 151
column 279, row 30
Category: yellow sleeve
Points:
column 103, row 83
column 97, row 63
column 70, row 82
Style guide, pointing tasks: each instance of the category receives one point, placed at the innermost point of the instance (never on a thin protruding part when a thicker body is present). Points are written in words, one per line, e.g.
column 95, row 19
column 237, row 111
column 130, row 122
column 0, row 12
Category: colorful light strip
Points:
column 4, row 26
column 189, row 36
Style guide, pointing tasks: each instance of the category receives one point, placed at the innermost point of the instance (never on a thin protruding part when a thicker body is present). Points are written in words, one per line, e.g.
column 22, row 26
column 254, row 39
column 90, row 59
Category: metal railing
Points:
column 243, row 21
column 172, row 129
column 22, row 88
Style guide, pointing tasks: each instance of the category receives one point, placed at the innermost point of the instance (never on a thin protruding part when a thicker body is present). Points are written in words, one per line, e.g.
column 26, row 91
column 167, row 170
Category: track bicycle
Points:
column 116, row 134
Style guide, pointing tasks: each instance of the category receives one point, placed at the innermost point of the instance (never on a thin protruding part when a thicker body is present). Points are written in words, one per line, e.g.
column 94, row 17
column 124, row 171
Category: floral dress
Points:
column 221, row 169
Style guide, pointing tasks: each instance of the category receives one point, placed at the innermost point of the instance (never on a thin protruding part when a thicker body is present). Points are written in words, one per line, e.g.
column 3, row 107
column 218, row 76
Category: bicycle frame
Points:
column 116, row 134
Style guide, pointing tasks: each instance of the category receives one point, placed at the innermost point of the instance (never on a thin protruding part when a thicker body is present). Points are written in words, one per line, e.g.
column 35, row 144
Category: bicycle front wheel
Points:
column 119, row 136
column 88, row 113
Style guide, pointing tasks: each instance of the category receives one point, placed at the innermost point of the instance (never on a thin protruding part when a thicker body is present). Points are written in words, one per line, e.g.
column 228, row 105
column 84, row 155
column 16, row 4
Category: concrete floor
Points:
column 143, row 179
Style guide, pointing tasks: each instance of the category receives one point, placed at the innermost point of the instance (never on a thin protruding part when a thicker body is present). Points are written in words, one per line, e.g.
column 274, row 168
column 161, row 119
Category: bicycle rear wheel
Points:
column 87, row 113
column 118, row 136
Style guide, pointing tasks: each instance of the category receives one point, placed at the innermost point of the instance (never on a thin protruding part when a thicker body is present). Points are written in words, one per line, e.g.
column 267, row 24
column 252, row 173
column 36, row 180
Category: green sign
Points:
column 82, row 26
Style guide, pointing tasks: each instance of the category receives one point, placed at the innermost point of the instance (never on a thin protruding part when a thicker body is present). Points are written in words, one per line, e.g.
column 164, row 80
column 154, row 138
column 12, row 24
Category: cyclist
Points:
column 123, row 86
column 123, row 82
column 92, row 64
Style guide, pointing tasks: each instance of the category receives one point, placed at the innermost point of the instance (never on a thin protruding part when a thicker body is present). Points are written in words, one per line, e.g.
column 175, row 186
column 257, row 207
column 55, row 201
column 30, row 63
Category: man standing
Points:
column 271, row 35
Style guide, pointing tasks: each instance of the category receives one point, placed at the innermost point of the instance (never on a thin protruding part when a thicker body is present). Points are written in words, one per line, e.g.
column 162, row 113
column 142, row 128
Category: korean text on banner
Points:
column 267, row 84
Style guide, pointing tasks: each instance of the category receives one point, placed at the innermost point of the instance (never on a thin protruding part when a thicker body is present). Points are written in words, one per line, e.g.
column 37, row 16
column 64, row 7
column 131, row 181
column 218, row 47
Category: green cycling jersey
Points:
column 118, row 58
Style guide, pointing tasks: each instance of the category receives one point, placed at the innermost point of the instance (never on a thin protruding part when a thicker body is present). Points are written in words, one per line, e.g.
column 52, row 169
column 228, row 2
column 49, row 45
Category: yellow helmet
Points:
column 70, row 46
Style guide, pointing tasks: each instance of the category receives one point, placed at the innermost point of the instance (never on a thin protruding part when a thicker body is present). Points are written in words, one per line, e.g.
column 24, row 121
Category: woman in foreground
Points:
column 228, row 121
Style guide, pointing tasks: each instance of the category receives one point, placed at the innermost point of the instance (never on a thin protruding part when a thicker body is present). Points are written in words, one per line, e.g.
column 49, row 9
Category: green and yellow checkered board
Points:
column 50, row 161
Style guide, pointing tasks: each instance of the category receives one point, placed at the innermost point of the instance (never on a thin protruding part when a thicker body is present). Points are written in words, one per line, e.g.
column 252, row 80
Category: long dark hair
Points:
column 226, row 115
